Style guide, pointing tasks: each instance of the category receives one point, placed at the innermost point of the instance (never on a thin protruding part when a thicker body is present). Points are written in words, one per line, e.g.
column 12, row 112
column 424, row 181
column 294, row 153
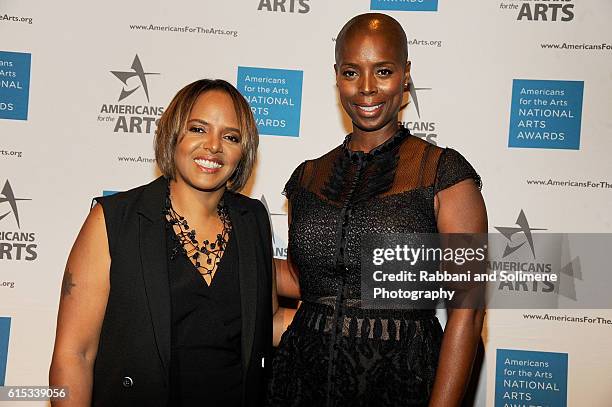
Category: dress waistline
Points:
column 375, row 324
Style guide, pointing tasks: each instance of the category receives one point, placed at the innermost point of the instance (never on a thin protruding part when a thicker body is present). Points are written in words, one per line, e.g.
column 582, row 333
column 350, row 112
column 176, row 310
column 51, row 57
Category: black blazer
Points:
column 132, row 363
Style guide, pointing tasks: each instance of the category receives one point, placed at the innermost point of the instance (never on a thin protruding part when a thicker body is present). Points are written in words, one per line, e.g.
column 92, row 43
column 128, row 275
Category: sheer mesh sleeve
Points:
column 454, row 168
column 294, row 181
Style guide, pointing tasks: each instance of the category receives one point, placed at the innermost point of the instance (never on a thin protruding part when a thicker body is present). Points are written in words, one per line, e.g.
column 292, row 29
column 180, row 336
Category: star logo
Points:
column 412, row 90
column 137, row 71
column 7, row 195
column 524, row 228
column 413, row 94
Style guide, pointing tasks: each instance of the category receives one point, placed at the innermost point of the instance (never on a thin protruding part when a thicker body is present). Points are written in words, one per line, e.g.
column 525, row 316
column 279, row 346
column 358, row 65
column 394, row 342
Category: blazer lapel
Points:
column 153, row 259
column 243, row 225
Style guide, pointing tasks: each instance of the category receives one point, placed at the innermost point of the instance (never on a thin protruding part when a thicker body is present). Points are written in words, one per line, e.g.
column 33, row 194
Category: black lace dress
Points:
column 336, row 353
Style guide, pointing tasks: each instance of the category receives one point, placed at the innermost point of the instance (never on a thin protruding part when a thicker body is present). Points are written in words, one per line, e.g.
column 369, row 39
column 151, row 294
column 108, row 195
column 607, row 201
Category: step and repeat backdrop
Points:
column 521, row 87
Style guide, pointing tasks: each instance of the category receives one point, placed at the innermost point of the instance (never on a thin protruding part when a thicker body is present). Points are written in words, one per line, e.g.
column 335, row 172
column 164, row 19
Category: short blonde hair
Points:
column 173, row 120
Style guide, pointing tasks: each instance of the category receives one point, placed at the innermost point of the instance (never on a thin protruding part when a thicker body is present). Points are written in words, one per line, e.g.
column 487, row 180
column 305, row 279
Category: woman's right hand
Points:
column 84, row 296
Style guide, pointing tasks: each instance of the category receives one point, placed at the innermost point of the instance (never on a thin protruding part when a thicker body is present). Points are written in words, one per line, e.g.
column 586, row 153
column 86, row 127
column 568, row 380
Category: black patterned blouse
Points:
column 336, row 353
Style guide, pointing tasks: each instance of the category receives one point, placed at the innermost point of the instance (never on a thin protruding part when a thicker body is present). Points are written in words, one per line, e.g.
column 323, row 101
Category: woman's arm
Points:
column 287, row 282
column 282, row 317
column 84, row 295
column 460, row 209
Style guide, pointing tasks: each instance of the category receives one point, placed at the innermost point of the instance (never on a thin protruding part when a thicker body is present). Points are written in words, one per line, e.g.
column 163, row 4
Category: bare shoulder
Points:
column 93, row 231
column 88, row 264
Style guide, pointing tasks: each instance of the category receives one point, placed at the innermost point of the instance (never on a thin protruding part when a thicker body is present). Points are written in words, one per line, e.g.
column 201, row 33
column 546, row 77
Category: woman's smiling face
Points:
column 371, row 72
column 210, row 149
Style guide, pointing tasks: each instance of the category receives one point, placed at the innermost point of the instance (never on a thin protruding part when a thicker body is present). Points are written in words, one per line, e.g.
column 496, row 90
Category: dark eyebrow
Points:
column 205, row 123
column 202, row 122
column 233, row 129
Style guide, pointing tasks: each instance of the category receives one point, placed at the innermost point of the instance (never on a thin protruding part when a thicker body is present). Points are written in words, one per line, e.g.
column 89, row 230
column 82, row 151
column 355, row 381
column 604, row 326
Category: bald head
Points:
column 374, row 24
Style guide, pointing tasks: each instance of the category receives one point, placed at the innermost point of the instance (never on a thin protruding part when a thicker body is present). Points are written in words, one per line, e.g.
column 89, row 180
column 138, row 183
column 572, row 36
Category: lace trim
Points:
column 378, row 167
column 397, row 325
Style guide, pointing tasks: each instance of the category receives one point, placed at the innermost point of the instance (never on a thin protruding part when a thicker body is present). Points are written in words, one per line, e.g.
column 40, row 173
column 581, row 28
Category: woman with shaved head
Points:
column 380, row 180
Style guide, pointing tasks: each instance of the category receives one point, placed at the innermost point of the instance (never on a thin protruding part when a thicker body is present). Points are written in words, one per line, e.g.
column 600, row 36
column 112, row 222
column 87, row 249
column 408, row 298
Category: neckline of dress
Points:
column 389, row 144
